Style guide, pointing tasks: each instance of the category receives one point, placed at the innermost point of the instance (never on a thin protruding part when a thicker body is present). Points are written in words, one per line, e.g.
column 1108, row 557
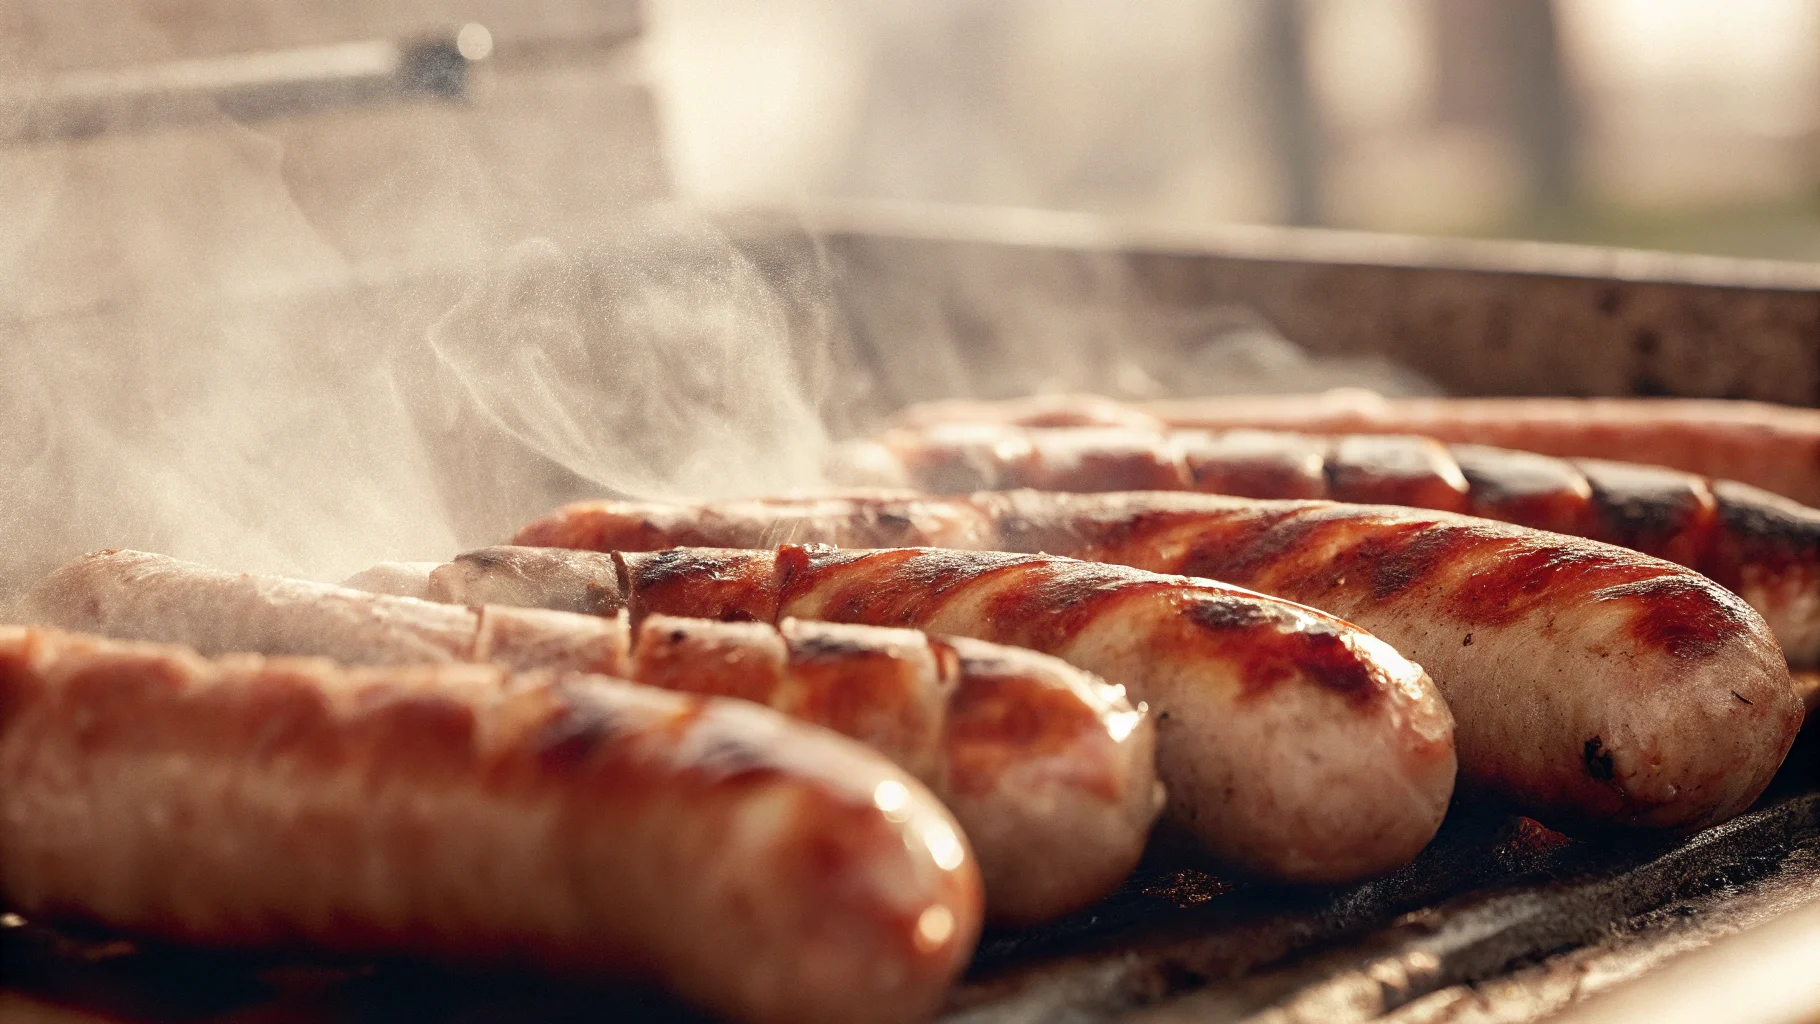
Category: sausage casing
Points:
column 763, row 869
column 1774, row 447
column 1052, row 770
column 1289, row 743
column 1591, row 685
column 1763, row 547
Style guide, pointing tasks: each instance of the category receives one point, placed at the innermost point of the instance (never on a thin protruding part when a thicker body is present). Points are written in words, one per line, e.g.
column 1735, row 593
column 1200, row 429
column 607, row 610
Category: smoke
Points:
column 657, row 361
column 313, row 344
column 224, row 343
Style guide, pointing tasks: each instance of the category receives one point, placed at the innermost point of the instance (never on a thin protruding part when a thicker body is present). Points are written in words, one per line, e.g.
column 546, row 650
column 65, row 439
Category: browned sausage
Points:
column 763, row 869
column 1773, row 447
column 1591, row 685
column 1052, row 771
column 1290, row 743
column 1763, row 547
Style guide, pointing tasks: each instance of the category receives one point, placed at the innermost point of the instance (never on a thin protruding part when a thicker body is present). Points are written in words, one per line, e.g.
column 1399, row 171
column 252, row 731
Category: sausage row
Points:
column 1291, row 744
column 1763, row 547
column 764, row 869
column 1050, row 771
column 1773, row 447
column 1591, row 685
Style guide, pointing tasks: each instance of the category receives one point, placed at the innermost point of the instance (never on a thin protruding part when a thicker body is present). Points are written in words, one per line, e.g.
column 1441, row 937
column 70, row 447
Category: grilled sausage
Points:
column 762, row 869
column 1290, row 743
column 1773, row 447
column 1052, row 771
column 135, row 595
column 1591, row 685
column 1763, row 547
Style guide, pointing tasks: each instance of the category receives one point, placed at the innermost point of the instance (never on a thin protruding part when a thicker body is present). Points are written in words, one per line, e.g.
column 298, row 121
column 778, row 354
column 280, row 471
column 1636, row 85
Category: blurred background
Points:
column 1681, row 124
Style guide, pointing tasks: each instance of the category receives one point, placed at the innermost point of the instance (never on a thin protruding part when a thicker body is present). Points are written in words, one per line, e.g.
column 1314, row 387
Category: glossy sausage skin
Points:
column 1591, row 685
column 1774, row 447
column 1290, row 743
column 1763, row 547
column 1051, row 772
column 1086, row 794
column 765, row 870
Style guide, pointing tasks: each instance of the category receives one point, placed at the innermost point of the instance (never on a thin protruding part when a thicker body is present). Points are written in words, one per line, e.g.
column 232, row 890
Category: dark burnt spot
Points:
column 1610, row 300
column 703, row 583
column 1688, row 616
column 1404, row 558
column 1238, row 552
column 1656, row 511
column 1322, row 654
column 1598, row 760
column 821, row 645
column 1762, row 532
column 1467, row 642
column 573, row 737
column 1219, row 612
column 677, row 636
column 898, row 587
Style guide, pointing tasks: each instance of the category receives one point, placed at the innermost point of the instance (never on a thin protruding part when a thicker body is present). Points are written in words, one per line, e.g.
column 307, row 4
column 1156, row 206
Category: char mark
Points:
column 1598, row 760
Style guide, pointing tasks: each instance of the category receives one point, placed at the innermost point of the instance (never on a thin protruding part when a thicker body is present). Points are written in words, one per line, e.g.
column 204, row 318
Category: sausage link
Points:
column 762, row 869
column 1086, row 792
column 1774, row 447
column 1051, row 773
column 1592, row 685
column 1292, row 744
column 136, row 595
column 1764, row 548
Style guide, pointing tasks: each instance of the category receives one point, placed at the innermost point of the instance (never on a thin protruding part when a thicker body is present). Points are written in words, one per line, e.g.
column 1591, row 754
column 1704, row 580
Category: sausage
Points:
column 1049, row 769
column 136, row 595
column 1763, row 547
column 1291, row 744
column 1774, row 447
column 764, row 870
column 1591, row 686
column 1051, row 773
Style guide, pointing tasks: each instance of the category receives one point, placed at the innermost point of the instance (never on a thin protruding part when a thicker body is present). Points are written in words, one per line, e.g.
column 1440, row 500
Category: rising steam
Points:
column 658, row 362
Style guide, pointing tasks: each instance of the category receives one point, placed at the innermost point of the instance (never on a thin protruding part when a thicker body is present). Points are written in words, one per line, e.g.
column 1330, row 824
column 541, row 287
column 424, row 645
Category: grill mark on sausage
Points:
column 1280, row 648
column 900, row 587
column 573, row 736
column 1681, row 615
column 1258, row 548
column 998, row 719
column 1598, row 760
column 857, row 688
column 1658, row 512
column 1510, row 579
column 731, row 586
column 1393, row 558
column 1053, row 603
